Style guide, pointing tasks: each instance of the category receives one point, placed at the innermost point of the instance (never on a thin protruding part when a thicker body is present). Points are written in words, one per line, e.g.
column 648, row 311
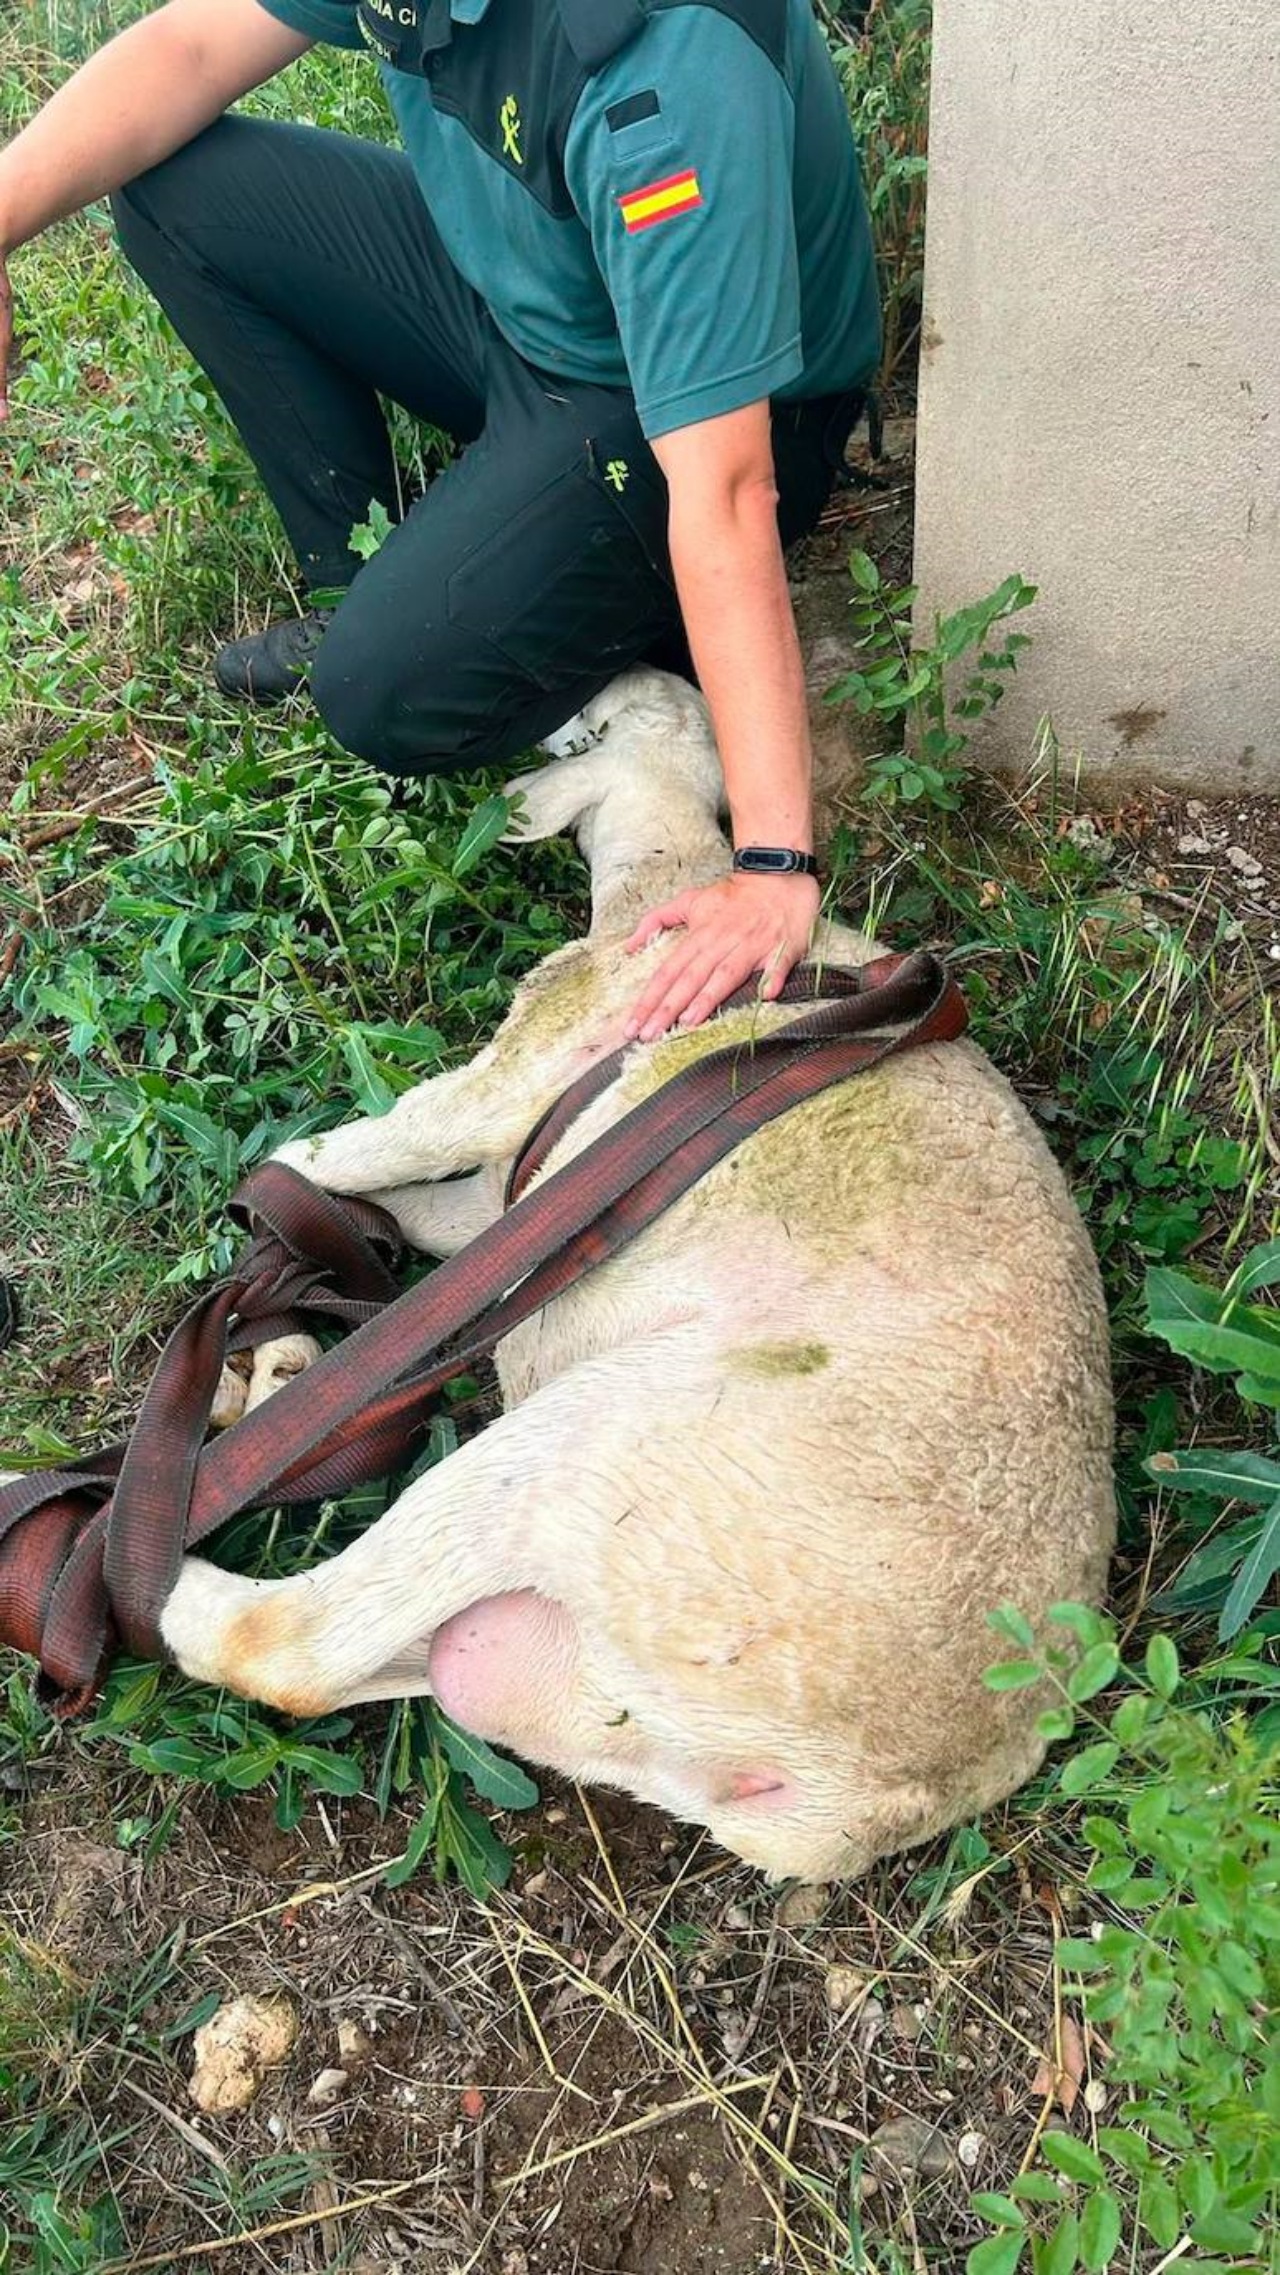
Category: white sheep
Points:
column 761, row 1478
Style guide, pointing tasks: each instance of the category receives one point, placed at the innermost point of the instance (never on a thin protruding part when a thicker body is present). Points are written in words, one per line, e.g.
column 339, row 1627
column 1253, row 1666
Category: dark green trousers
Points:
column 305, row 274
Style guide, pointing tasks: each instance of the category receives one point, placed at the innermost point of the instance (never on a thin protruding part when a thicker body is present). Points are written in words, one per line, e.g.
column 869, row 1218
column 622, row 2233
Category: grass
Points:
column 214, row 928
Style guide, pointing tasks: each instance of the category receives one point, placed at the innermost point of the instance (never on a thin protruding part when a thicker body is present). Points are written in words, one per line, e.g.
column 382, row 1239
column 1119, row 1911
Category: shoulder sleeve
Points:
column 333, row 21
column 679, row 160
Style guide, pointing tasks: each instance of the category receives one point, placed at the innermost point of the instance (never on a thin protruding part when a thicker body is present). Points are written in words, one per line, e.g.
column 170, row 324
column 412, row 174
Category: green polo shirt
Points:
column 688, row 220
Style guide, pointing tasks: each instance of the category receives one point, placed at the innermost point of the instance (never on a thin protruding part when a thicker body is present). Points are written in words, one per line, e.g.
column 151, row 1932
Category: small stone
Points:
column 1245, row 863
column 235, row 2049
column 804, row 1905
column 536, row 1884
column 844, row 1986
column 1274, row 951
column 471, row 2103
column 969, row 2149
column 870, row 2024
column 1195, row 807
column 737, row 1916
column 355, row 2046
column 327, row 2088
column 733, row 2035
column 1095, row 2097
column 1084, row 832
column 912, row 2144
column 907, row 2022
column 1193, row 844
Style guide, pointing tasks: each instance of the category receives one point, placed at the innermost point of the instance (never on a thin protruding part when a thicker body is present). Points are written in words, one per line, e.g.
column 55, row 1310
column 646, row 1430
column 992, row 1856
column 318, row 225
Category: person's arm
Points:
column 737, row 611
column 690, row 210
column 144, row 95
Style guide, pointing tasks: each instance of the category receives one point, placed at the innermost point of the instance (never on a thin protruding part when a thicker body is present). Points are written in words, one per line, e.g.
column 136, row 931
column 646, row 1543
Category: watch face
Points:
column 768, row 857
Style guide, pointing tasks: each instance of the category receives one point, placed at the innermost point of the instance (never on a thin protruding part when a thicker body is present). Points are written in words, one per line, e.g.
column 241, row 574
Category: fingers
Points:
column 722, row 981
column 688, row 987
column 665, row 919
column 653, row 1013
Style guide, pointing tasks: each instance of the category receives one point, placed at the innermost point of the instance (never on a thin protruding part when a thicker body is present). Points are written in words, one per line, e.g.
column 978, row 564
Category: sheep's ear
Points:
column 555, row 798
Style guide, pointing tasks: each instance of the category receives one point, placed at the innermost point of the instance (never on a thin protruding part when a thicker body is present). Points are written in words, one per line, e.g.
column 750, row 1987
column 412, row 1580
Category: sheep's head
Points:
column 636, row 779
column 645, row 738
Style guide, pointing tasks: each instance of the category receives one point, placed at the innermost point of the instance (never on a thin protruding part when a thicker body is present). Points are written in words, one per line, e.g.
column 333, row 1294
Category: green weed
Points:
column 1227, row 1334
column 884, row 68
column 906, row 685
column 1181, row 1970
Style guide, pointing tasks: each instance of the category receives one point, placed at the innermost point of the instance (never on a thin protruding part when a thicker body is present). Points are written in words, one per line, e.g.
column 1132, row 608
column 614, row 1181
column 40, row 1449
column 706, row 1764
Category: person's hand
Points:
column 741, row 925
column 6, row 333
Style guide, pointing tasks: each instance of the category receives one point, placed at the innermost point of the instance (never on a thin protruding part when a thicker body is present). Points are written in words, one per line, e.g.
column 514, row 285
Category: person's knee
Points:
column 363, row 702
column 182, row 186
column 143, row 208
column 127, row 213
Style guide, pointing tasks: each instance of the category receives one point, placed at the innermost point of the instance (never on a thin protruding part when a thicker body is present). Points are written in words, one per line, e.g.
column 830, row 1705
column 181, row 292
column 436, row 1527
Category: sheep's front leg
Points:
column 475, row 1114
column 441, row 1219
column 563, row 1019
column 437, row 1219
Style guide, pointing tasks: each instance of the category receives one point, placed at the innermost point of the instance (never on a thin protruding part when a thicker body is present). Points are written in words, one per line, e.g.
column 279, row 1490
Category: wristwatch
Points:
column 774, row 861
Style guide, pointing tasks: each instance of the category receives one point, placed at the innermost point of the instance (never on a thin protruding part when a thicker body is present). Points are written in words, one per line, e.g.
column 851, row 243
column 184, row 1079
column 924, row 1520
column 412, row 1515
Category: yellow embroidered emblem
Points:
column 509, row 121
column 618, row 472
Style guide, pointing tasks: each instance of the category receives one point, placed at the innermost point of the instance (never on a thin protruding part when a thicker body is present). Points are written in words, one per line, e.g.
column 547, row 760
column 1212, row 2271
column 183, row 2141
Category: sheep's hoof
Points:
column 232, row 1391
column 275, row 1364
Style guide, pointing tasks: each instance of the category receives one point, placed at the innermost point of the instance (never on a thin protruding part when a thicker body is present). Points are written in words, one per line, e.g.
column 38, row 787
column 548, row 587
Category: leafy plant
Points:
column 1182, row 1969
column 260, row 953
column 1147, row 1162
column 907, row 685
column 1223, row 1331
column 884, row 68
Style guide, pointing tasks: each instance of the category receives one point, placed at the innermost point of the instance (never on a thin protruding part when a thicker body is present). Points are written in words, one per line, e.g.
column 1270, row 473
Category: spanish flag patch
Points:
column 659, row 201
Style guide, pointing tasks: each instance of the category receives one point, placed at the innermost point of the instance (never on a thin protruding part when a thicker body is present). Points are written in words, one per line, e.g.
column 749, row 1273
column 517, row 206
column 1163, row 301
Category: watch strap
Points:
column 774, row 861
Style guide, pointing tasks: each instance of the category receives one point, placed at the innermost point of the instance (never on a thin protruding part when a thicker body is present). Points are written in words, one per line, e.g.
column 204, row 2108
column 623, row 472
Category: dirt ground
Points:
column 636, row 2060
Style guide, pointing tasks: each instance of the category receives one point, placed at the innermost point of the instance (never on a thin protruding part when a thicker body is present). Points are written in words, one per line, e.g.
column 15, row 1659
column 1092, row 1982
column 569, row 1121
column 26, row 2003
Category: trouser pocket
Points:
column 572, row 577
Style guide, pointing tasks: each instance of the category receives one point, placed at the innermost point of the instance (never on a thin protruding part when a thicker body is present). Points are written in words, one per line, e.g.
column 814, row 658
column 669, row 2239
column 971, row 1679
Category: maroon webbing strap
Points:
column 90, row 1554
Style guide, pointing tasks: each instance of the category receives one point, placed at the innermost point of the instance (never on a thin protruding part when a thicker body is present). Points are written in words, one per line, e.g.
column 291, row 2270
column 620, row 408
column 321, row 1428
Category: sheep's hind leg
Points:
column 509, row 1512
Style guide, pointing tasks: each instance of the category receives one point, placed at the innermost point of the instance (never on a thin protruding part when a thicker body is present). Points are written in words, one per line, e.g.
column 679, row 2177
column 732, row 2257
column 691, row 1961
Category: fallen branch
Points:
column 9, row 952
column 52, row 832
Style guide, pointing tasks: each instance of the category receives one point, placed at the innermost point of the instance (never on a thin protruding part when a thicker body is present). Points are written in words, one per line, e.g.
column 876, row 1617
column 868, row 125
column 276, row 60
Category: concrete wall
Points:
column 1100, row 378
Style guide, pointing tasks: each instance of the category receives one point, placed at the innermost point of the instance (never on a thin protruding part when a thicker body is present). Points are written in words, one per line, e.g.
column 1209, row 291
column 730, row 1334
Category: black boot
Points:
column 272, row 664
